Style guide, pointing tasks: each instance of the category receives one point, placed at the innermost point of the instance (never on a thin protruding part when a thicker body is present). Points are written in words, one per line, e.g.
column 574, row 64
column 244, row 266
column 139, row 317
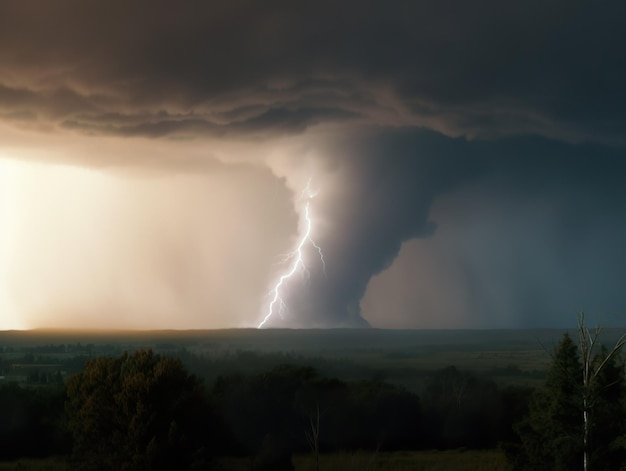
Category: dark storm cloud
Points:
column 498, row 73
column 484, row 68
column 165, row 124
column 24, row 104
column 541, row 237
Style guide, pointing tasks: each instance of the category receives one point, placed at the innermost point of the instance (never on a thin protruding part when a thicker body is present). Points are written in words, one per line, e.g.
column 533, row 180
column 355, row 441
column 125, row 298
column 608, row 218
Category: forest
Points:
column 93, row 407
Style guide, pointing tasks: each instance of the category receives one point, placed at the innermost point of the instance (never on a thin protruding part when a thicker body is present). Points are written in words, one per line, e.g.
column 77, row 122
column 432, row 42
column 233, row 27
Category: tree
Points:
column 551, row 433
column 607, row 422
column 574, row 421
column 600, row 378
column 292, row 409
column 260, row 414
column 462, row 410
column 138, row 412
column 31, row 422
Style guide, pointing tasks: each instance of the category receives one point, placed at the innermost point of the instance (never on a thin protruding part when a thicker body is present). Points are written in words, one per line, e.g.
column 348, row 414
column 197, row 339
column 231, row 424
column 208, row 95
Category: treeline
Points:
column 281, row 405
column 32, row 422
column 577, row 421
column 148, row 409
column 144, row 411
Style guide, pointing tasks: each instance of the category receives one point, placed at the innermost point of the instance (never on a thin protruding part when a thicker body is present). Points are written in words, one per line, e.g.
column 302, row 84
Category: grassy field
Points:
column 48, row 464
column 488, row 460
column 407, row 461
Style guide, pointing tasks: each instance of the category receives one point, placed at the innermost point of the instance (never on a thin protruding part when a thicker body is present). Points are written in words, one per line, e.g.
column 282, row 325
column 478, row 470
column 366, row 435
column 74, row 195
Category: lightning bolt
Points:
column 296, row 256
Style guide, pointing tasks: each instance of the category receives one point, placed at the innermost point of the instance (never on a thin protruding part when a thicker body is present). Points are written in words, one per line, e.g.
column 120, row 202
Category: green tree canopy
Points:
column 574, row 422
column 551, row 434
column 138, row 412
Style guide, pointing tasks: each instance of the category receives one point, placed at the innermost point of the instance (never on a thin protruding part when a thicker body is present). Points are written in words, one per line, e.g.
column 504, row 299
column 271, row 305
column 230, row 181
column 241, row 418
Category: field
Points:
column 361, row 461
column 48, row 464
column 406, row 461
column 400, row 356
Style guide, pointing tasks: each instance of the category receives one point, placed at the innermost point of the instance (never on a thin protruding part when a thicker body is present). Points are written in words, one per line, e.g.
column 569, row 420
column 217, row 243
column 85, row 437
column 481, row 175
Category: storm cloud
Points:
column 155, row 68
column 530, row 233
column 468, row 155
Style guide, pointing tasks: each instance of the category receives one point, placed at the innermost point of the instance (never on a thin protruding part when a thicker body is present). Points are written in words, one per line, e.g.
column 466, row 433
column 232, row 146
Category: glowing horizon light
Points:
column 9, row 178
column 297, row 256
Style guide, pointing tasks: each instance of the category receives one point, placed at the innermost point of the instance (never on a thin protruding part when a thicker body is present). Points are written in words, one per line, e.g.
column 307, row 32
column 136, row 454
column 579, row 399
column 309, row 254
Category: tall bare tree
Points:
column 593, row 362
column 574, row 422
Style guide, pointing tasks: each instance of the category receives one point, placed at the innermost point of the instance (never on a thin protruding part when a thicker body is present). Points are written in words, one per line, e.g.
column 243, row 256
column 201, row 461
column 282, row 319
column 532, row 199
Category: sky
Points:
column 402, row 164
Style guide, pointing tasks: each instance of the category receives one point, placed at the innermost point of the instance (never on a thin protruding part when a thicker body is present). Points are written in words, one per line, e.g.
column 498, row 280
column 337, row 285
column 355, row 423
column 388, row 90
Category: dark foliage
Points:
column 551, row 434
column 515, row 402
column 608, row 418
column 282, row 402
column 138, row 412
column 462, row 410
column 144, row 411
column 32, row 422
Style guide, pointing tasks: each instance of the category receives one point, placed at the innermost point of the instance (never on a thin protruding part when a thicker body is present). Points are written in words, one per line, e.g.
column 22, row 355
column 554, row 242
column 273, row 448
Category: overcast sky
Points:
column 461, row 164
